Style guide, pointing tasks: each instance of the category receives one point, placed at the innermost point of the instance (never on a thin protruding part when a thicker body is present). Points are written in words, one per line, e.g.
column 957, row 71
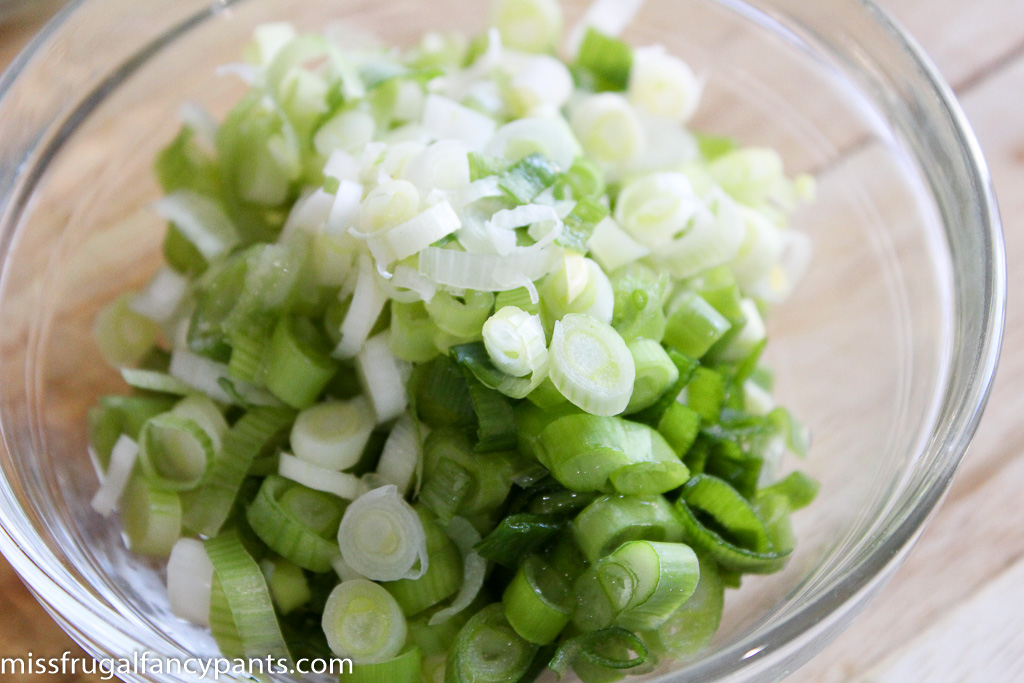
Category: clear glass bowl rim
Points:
column 102, row 631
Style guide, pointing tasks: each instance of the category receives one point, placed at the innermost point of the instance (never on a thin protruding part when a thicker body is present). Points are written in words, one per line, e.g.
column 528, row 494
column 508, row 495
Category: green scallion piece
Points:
column 693, row 325
column 655, row 373
column 248, row 598
column 259, row 430
column 151, row 516
column 299, row 365
column 610, row 521
column 488, row 650
column 638, row 586
column 580, row 224
column 175, row 453
column 537, row 602
column 722, row 523
column 297, row 531
column 442, row 578
column 527, row 178
column 608, row 60
column 405, row 668
column 518, row 535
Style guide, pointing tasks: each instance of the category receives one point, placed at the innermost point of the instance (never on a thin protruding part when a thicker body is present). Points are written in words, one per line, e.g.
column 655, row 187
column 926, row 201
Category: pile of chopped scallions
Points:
column 453, row 367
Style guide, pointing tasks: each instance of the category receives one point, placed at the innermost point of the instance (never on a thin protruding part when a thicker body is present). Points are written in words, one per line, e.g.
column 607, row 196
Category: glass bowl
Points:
column 887, row 349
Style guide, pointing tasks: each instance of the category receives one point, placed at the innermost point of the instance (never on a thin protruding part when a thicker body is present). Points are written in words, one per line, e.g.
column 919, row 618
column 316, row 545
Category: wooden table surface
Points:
column 955, row 610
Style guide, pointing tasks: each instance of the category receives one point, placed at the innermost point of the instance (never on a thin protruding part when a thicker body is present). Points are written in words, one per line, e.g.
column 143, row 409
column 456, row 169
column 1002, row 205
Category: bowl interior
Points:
column 861, row 351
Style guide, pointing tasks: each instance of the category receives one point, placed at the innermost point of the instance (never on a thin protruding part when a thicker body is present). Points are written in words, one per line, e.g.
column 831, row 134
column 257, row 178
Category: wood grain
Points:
column 953, row 612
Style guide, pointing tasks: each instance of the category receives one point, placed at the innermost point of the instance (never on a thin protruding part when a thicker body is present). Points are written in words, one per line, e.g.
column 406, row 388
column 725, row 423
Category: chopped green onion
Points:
column 638, row 587
column 610, row 521
column 581, row 223
column 476, row 359
column 442, row 393
column 367, row 303
column 797, row 488
column 608, row 128
column 405, row 668
column 151, row 516
column 614, row 649
column 248, row 599
column 515, row 341
column 583, row 451
column 609, row 60
column 474, row 569
column 461, row 318
column 288, row 586
column 189, row 580
column 363, row 622
column 691, row 628
column 680, row 426
column 591, row 365
column 527, row 178
column 382, row 537
column 333, row 434
column 123, row 335
column 155, row 381
column 122, row 462
column 517, row 536
column 655, row 372
column 412, row 332
column 205, row 413
column 727, row 528
column 380, row 376
column 663, row 85
column 293, row 529
column 260, row 429
column 528, row 25
column 488, row 650
column 298, row 363
column 400, row 459
column 496, row 422
column 705, row 393
column 442, row 578
column 537, row 602
column 175, row 453
column 693, row 325
column 341, row 484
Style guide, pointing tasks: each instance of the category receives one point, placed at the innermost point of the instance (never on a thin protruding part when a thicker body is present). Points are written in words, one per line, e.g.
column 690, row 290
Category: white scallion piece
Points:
column 443, row 165
column 608, row 128
column 333, row 434
column 205, row 375
column 345, row 208
column 122, row 461
column 551, row 137
column 363, row 622
column 189, row 580
column 612, row 247
column 484, row 272
column 341, row 484
column 367, row 303
column 663, row 85
column 591, row 365
column 201, row 220
column 415, row 234
column 162, row 296
column 401, row 455
column 382, row 537
column 381, row 377
column 445, row 119
column 515, row 341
